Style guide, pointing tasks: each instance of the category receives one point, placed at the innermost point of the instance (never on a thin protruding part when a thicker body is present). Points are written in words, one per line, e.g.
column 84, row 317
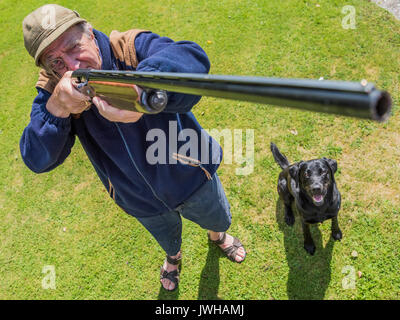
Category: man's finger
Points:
column 67, row 74
column 101, row 105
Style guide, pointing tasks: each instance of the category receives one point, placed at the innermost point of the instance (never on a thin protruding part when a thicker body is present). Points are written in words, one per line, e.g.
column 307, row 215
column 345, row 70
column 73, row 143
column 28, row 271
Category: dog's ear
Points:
column 332, row 164
column 294, row 171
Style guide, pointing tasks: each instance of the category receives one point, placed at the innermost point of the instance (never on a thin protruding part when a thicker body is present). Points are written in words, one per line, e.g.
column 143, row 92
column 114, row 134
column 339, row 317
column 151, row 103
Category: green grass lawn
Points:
column 66, row 219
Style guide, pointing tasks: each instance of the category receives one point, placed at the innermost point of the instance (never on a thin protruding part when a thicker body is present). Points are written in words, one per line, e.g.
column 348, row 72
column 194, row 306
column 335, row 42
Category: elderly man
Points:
column 115, row 141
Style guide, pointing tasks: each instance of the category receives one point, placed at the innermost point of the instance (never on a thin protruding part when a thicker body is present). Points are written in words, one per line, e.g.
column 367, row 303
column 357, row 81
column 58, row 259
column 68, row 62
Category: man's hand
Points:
column 115, row 114
column 66, row 99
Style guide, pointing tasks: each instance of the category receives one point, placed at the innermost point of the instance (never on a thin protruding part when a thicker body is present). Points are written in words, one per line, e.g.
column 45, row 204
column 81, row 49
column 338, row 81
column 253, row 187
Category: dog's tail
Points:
column 279, row 157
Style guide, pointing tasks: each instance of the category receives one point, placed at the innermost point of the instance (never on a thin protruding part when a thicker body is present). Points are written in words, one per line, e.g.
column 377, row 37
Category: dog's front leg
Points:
column 308, row 241
column 289, row 216
column 336, row 232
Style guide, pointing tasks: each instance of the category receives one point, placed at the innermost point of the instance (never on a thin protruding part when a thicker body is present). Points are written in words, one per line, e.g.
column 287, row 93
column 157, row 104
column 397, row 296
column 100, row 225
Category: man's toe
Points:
column 167, row 284
column 240, row 255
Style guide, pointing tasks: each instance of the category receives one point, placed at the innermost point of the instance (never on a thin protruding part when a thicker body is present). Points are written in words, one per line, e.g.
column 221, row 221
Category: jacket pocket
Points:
column 191, row 162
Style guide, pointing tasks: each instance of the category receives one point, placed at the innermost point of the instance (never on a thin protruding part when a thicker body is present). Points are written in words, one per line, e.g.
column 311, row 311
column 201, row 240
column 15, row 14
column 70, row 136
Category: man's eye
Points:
column 57, row 64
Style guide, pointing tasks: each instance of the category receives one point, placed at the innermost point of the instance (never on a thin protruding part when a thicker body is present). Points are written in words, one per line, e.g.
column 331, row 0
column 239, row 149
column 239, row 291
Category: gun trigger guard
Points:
column 86, row 89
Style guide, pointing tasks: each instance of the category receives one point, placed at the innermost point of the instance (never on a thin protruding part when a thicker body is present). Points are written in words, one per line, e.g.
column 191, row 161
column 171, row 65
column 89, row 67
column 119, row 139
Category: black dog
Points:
column 311, row 186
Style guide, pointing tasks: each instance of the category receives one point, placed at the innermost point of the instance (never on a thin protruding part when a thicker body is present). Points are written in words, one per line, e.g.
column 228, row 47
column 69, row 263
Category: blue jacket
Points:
column 117, row 150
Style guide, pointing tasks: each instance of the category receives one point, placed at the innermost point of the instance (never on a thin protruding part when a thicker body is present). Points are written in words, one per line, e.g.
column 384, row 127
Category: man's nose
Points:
column 71, row 63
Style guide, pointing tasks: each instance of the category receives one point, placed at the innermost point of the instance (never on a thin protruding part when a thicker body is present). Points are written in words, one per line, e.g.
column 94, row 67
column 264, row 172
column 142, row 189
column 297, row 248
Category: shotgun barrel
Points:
column 355, row 99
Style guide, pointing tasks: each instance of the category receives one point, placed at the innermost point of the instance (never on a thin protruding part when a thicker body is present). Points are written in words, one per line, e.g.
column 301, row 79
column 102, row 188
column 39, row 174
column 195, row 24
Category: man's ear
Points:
column 332, row 164
column 91, row 32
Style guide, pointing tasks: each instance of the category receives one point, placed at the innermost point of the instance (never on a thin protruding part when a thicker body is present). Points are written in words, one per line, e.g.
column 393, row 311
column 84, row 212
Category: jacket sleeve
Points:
column 47, row 140
column 161, row 54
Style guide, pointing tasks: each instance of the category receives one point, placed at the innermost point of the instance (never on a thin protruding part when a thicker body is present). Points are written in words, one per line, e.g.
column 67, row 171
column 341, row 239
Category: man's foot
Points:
column 169, row 275
column 231, row 246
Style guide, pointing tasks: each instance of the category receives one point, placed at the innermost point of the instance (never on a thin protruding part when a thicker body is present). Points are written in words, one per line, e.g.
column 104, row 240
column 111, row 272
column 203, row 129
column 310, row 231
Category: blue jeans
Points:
column 208, row 207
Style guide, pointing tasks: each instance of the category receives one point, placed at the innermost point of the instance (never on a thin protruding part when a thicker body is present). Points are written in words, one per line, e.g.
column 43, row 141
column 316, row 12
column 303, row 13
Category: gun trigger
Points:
column 86, row 89
column 82, row 84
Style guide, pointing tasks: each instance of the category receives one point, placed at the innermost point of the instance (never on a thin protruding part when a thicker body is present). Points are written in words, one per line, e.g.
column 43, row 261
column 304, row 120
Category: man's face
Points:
column 72, row 50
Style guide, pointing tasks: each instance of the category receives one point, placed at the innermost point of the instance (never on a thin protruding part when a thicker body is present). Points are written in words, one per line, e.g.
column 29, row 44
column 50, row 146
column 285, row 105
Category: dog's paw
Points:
column 310, row 248
column 289, row 219
column 337, row 235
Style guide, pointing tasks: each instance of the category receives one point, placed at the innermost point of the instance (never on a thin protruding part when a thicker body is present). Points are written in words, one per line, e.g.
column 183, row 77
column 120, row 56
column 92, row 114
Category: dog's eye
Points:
column 322, row 172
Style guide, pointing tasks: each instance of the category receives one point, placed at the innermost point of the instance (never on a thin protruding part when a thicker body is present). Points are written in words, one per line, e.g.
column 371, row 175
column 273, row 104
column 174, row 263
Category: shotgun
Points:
column 354, row 99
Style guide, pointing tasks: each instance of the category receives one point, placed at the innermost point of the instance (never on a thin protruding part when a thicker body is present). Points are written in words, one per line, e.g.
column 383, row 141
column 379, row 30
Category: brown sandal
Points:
column 172, row 276
column 230, row 251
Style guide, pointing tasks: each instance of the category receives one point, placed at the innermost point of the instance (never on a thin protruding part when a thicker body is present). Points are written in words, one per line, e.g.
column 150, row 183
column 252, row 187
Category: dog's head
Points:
column 315, row 178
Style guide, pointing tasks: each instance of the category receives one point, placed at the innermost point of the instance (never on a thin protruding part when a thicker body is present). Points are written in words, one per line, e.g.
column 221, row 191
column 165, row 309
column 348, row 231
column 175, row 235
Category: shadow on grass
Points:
column 209, row 278
column 309, row 276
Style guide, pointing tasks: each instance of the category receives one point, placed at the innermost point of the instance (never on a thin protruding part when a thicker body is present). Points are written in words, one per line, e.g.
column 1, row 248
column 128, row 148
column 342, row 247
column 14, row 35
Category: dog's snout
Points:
column 317, row 189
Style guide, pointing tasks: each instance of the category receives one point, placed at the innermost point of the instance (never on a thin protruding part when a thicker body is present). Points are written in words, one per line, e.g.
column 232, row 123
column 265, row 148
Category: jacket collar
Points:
column 107, row 56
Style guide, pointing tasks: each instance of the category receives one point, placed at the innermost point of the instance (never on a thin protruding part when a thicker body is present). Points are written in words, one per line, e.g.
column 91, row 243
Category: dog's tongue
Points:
column 318, row 197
